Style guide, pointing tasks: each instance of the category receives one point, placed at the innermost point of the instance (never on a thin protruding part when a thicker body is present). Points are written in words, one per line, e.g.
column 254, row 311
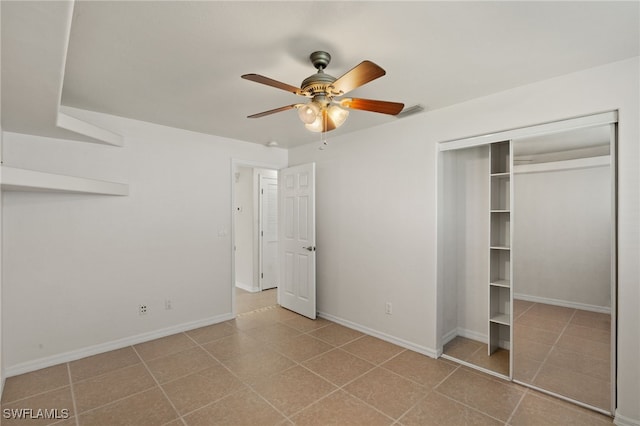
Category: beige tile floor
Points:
column 270, row 366
column 477, row 353
column 564, row 350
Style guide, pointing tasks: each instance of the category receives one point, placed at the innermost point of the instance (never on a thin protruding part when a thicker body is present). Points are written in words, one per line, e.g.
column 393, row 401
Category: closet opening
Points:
column 527, row 257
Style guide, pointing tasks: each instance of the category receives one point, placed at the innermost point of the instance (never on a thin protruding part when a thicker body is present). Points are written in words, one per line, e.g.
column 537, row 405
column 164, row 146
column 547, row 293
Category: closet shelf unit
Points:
column 500, row 294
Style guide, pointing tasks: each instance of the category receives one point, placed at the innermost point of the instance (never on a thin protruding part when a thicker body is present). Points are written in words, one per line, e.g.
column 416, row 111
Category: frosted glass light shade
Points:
column 316, row 125
column 337, row 115
column 308, row 113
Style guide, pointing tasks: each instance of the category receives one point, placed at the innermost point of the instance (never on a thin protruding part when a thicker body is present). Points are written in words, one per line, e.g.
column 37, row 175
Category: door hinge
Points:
column 262, row 233
column 261, row 275
column 262, row 191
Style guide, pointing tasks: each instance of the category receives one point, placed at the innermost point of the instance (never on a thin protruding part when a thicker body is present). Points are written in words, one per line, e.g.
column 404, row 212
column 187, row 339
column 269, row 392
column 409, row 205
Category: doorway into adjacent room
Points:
column 255, row 210
column 273, row 234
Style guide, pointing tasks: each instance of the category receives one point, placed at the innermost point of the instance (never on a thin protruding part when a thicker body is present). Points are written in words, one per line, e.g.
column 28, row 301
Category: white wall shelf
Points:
column 14, row 179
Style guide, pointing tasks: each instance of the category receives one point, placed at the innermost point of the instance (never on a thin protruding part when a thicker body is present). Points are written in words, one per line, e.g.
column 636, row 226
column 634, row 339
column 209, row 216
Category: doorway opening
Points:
column 255, row 237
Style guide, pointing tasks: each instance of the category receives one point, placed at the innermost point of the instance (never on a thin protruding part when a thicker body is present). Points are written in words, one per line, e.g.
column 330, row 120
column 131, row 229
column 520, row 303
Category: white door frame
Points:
column 235, row 163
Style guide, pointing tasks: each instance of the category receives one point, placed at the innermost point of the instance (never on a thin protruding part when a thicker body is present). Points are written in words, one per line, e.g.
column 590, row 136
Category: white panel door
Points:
column 268, row 232
column 297, row 232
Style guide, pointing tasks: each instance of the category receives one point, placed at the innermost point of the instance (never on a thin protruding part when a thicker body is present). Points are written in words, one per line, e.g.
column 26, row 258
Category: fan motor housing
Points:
column 317, row 83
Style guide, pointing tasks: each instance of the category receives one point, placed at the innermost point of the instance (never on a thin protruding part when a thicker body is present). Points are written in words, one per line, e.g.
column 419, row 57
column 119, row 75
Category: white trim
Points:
column 621, row 420
column 476, row 367
column 540, row 129
column 563, row 397
column 37, row 364
column 473, row 335
column 554, row 166
column 463, row 332
column 245, row 287
column 449, row 336
column 563, row 303
column 432, row 353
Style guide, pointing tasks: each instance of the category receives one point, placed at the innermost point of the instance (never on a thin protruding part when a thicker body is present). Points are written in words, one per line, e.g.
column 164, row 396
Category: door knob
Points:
column 310, row 248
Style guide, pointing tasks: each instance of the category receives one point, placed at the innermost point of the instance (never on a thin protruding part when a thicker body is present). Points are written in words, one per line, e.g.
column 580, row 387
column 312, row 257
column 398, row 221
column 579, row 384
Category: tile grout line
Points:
column 342, row 388
column 34, row 394
column 140, row 361
column 544, row 361
column 175, row 410
column 526, row 391
column 450, row 398
column 375, row 365
column 435, row 389
column 73, row 396
column 419, row 401
column 488, row 377
column 245, row 384
column 117, row 400
column 525, row 311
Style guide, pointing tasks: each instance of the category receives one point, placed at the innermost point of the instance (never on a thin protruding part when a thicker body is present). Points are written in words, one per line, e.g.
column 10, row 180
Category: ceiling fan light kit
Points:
column 324, row 113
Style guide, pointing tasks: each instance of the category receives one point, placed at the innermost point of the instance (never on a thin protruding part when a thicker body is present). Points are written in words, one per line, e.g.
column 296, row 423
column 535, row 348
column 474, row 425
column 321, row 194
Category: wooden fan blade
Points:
column 271, row 82
column 384, row 107
column 359, row 75
column 273, row 111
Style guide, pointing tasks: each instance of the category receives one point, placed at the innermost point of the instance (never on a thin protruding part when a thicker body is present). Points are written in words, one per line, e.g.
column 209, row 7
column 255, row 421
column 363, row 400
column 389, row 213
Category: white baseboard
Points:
column 432, row 353
column 245, row 287
column 37, row 364
column 563, row 303
column 449, row 336
column 621, row 420
column 473, row 335
column 463, row 332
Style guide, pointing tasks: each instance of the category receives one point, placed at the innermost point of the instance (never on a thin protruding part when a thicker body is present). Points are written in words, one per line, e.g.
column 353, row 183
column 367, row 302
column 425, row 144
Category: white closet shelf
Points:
column 500, row 211
column 500, row 247
column 500, row 175
column 501, row 283
column 14, row 179
column 500, row 318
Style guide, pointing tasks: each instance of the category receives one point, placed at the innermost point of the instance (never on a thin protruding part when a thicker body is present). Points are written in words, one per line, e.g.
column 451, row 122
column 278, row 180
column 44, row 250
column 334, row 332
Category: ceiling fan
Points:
column 325, row 113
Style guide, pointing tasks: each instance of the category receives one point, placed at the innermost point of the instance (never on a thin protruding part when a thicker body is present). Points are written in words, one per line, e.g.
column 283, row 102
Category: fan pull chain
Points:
column 323, row 134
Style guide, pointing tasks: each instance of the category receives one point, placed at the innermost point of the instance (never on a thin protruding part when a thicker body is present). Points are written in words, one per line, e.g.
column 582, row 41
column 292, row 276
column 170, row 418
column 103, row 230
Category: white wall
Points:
column 562, row 236
column 376, row 208
column 244, row 213
column 76, row 267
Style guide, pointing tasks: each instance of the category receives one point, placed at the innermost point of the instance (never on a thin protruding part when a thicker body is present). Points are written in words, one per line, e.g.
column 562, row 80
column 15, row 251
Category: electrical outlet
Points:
column 388, row 308
column 142, row 309
column 167, row 304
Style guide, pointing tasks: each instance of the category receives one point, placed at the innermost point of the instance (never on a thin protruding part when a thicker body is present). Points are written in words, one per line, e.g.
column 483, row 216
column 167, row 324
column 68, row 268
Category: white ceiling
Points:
column 179, row 63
